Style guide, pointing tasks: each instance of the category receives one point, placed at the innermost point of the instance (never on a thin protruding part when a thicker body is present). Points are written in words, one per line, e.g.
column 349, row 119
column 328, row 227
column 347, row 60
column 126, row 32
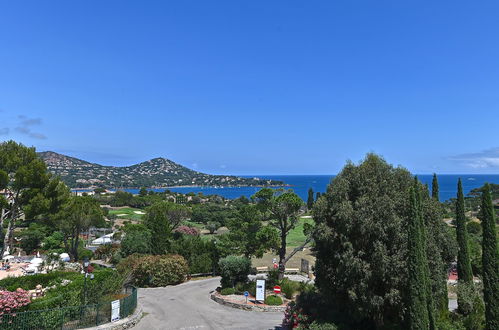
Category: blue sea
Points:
column 301, row 183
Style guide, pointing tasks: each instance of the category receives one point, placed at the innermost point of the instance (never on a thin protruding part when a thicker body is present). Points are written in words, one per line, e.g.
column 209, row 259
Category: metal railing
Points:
column 68, row 318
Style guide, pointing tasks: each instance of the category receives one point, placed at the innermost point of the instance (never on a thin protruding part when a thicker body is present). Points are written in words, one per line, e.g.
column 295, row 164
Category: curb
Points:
column 126, row 323
column 254, row 308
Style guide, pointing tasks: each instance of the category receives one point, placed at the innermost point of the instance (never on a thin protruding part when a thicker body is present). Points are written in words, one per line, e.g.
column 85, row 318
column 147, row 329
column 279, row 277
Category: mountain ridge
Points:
column 157, row 172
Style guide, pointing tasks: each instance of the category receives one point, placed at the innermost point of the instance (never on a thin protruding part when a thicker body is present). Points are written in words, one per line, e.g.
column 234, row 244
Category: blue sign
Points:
column 246, row 293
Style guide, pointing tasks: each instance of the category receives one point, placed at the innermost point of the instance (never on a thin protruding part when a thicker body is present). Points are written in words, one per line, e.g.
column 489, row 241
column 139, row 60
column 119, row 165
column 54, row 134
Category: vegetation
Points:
column 273, row 300
column 233, row 270
column 490, row 262
column 310, row 199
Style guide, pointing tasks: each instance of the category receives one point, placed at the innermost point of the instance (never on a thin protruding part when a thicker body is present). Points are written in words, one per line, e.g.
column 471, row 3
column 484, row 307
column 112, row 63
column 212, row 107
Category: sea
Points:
column 301, row 183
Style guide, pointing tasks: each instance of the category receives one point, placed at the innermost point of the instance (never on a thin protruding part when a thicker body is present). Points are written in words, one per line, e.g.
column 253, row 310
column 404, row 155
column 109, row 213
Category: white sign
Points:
column 115, row 310
column 260, row 290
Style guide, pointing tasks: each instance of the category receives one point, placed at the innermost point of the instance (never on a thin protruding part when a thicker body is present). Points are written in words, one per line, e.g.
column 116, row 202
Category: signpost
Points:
column 246, row 294
column 277, row 289
column 260, row 290
column 115, row 310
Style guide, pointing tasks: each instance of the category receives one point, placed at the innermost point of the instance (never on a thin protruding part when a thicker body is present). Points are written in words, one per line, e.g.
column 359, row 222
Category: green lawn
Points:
column 127, row 213
column 296, row 236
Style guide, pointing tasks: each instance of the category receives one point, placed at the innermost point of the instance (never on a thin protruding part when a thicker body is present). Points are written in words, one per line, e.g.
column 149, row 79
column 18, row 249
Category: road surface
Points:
column 188, row 306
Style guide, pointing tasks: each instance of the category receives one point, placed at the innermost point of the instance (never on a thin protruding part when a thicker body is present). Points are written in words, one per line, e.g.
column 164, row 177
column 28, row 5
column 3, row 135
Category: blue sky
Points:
column 255, row 87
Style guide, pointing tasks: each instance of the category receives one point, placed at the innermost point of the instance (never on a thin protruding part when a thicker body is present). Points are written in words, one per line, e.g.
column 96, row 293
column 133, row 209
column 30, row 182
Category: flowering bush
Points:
column 187, row 230
column 294, row 317
column 12, row 301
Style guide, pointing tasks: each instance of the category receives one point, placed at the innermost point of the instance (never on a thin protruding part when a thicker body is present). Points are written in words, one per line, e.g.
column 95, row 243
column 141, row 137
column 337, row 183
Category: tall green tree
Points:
column 283, row 207
column 434, row 188
column 418, row 317
column 310, row 199
column 77, row 215
column 24, row 176
column 248, row 235
column 490, row 261
column 464, row 272
column 361, row 244
column 158, row 223
column 317, row 195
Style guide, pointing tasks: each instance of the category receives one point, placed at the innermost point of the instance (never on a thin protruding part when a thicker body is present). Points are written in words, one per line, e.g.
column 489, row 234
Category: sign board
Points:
column 260, row 290
column 277, row 289
column 115, row 310
column 246, row 293
column 305, row 267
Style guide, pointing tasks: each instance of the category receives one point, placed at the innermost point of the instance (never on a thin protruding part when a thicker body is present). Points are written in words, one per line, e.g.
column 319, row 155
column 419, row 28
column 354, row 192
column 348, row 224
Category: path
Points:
column 188, row 306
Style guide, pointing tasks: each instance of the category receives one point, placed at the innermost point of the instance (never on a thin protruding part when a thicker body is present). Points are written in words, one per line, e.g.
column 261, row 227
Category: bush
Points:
column 289, row 288
column 187, row 230
column 322, row 326
column 234, row 269
column 154, row 271
column 201, row 255
column 30, row 282
column 227, row 291
column 273, row 300
column 136, row 241
column 273, row 277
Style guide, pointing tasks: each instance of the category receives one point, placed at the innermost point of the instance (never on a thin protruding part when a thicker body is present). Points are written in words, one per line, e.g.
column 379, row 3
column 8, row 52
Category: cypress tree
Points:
column 464, row 272
column 434, row 188
column 417, row 307
column 490, row 262
column 317, row 196
column 310, row 200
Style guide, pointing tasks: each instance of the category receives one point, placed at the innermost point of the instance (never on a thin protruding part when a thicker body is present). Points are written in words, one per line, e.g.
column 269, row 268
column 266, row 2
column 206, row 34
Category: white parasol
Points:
column 36, row 261
column 8, row 257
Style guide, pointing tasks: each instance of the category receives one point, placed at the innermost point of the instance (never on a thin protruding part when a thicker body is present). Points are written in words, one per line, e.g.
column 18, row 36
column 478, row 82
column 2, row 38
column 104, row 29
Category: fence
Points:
column 68, row 318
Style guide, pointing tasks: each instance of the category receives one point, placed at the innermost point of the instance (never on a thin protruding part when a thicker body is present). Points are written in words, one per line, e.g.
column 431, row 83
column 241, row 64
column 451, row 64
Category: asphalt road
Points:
column 188, row 306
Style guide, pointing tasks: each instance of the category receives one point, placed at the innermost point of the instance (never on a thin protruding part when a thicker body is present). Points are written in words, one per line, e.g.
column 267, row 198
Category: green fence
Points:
column 67, row 318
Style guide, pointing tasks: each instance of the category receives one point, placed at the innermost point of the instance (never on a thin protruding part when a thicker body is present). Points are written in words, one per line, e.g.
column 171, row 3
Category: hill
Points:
column 157, row 172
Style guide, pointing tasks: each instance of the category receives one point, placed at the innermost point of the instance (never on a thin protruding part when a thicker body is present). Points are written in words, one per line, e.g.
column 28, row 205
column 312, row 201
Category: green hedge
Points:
column 234, row 270
column 30, row 282
column 154, row 271
column 273, row 300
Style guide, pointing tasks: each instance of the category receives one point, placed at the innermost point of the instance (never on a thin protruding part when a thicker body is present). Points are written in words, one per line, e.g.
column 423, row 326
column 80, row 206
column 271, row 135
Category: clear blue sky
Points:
column 255, row 87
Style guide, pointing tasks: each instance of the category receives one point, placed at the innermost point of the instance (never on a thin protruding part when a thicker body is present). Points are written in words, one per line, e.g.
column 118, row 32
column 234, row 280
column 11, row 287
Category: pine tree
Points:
column 417, row 307
column 317, row 196
column 490, row 262
column 434, row 188
column 310, row 200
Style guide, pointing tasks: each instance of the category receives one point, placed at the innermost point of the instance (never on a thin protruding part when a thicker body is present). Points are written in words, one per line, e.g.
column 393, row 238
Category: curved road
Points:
column 188, row 306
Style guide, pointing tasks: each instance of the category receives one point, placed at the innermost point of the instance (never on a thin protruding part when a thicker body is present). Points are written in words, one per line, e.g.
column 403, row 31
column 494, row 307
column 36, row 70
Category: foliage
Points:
column 212, row 226
column 201, row 255
column 211, row 212
column 227, row 291
column 77, row 215
column 187, row 230
column 13, row 301
column 248, row 235
column 54, row 241
column 30, row 282
column 310, row 199
column 106, row 251
column 154, row 270
column 434, row 188
column 136, row 241
column 273, row 300
column 363, row 218
column 273, row 277
column 156, row 220
column 234, row 269
column 464, row 271
column 32, row 237
column 316, row 325
column 490, row 261
column 289, row 288
column 283, row 208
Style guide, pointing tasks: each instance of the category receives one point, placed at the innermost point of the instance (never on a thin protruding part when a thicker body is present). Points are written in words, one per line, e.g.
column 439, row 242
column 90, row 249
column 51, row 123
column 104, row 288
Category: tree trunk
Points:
column 282, row 256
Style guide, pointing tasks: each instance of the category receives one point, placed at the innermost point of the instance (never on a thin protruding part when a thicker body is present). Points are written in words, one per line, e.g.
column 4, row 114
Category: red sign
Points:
column 277, row 289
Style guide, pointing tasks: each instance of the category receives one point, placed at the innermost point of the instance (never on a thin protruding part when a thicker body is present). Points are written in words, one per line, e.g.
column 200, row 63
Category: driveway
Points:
column 188, row 306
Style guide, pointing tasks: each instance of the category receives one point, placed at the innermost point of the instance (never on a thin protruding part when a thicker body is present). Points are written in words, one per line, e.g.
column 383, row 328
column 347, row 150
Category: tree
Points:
column 490, row 262
column 248, row 235
column 143, row 192
column 310, row 200
column 464, row 273
column 76, row 216
column 417, row 309
column 137, row 240
column 283, row 208
column 434, row 188
column 24, row 176
column 361, row 238
column 158, row 223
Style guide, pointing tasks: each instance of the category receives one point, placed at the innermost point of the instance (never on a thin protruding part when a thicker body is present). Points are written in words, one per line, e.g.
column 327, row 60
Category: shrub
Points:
column 273, row 300
column 227, row 291
column 154, row 271
column 201, row 255
column 322, row 326
column 289, row 288
column 30, row 282
column 212, row 226
column 272, row 277
column 187, row 230
column 136, row 241
column 234, row 269
column 12, row 301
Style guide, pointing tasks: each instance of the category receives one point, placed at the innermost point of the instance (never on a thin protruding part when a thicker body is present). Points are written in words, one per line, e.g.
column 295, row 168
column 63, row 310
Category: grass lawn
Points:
column 296, row 236
column 127, row 213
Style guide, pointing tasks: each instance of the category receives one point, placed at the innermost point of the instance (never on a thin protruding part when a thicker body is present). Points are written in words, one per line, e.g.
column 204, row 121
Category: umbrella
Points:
column 8, row 257
column 64, row 256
